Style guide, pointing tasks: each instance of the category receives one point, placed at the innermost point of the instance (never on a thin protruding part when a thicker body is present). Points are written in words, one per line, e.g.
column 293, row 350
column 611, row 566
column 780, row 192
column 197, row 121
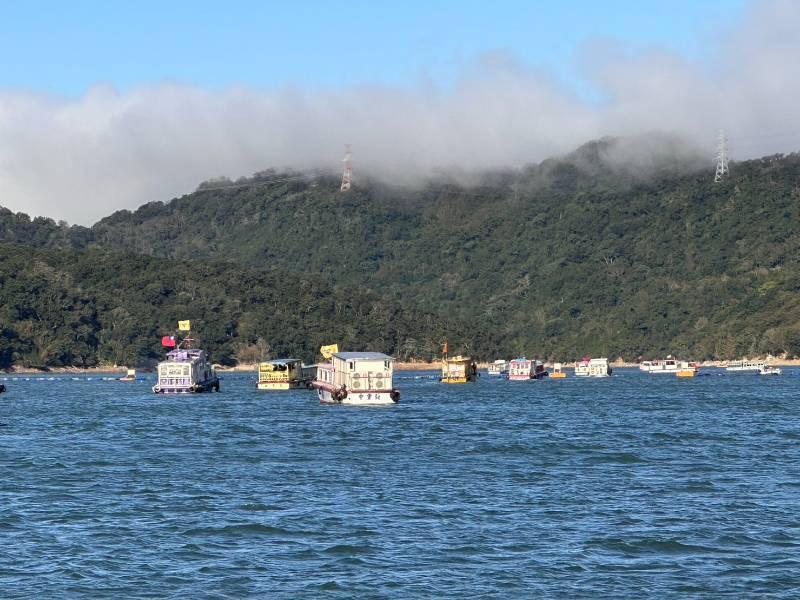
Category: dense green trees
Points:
column 578, row 255
column 86, row 307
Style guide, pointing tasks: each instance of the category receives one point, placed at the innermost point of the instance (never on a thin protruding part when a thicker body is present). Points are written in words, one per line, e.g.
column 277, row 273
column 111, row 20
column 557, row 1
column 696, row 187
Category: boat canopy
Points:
column 362, row 356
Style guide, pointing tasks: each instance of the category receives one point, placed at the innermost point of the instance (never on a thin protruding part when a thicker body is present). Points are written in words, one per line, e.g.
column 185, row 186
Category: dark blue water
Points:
column 627, row 487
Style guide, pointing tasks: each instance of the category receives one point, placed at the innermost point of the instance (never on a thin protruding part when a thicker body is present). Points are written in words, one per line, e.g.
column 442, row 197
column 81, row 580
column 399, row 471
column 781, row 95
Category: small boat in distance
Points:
column 498, row 368
column 767, row 370
column 281, row 374
column 670, row 365
column 356, row 378
column 557, row 372
column 522, row 369
column 592, row 367
column 129, row 376
column 687, row 369
column 187, row 370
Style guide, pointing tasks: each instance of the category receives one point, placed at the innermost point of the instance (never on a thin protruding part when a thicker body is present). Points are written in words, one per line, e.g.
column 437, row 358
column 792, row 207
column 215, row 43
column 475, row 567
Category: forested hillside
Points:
column 577, row 255
column 60, row 308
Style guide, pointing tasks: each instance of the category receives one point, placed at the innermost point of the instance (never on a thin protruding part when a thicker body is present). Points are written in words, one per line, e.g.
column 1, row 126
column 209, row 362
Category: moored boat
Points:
column 767, row 370
column 557, row 372
column 356, row 378
column 592, row 367
column 670, row 365
column 521, row 369
column 458, row 369
column 281, row 374
column 129, row 376
column 744, row 366
column 687, row 369
column 498, row 368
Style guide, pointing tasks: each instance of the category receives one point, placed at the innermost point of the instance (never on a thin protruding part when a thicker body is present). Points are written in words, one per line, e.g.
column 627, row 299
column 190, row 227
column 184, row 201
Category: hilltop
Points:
column 603, row 251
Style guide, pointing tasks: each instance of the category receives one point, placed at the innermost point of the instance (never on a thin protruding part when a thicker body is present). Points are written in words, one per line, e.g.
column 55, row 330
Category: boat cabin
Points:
column 458, row 369
column 498, row 368
column 521, row 369
column 280, row 374
column 357, row 378
column 186, row 371
column 592, row 367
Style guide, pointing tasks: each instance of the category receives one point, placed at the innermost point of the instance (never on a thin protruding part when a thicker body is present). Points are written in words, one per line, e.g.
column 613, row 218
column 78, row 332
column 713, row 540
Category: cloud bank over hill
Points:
column 80, row 159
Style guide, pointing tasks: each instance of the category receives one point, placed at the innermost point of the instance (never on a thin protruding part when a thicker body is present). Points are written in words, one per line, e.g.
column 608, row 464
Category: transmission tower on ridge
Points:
column 722, row 157
column 347, row 175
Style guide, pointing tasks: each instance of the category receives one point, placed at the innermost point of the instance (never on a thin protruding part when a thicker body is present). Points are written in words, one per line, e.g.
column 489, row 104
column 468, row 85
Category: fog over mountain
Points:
column 79, row 159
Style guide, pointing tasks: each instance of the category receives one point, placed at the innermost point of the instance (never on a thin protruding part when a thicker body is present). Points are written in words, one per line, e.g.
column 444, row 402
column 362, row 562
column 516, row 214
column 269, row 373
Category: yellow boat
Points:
column 688, row 369
column 282, row 374
column 557, row 373
column 458, row 369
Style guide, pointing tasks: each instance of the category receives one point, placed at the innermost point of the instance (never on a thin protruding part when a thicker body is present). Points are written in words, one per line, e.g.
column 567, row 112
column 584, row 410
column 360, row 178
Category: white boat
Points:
column 356, row 378
column 186, row 371
column 498, row 368
column 592, row 367
column 522, row 369
column 767, row 370
column 670, row 365
column 745, row 366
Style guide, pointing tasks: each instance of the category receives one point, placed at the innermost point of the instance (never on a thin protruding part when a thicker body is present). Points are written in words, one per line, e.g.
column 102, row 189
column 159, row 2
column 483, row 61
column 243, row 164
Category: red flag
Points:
column 168, row 341
column 444, row 348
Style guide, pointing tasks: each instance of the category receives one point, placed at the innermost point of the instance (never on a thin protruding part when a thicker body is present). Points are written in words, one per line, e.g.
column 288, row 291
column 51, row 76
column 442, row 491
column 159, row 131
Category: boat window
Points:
column 386, row 365
column 352, row 365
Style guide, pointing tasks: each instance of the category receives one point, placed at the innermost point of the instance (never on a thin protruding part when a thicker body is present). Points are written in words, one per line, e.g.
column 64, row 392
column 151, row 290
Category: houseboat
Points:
column 521, row 369
column 186, row 371
column 498, row 368
column 744, row 366
column 670, row 365
column 281, row 374
column 592, row 367
column 458, row 369
column 356, row 378
column 557, row 372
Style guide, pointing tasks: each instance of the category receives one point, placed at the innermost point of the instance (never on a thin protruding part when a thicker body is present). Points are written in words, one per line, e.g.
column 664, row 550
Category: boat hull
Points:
column 279, row 385
column 456, row 379
column 197, row 388
column 360, row 398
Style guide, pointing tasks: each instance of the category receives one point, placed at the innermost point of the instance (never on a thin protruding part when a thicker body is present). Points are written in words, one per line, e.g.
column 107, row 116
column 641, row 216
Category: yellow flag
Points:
column 328, row 351
column 184, row 325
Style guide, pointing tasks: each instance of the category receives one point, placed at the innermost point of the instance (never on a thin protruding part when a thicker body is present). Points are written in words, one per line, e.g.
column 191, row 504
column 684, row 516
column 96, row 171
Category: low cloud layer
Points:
column 79, row 160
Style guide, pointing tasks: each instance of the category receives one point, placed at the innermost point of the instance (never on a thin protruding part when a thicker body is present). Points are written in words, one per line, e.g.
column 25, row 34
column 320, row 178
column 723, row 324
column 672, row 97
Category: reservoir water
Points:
column 632, row 486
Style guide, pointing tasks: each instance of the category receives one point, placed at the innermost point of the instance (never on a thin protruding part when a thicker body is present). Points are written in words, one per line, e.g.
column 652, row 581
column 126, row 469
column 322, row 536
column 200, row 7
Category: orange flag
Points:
column 444, row 348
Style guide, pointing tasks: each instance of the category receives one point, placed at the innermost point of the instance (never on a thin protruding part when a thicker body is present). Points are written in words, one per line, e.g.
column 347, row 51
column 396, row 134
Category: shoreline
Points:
column 398, row 366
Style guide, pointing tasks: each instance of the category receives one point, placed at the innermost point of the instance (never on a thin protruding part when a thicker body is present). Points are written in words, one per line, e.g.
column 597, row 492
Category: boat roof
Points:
column 362, row 356
column 185, row 354
column 279, row 361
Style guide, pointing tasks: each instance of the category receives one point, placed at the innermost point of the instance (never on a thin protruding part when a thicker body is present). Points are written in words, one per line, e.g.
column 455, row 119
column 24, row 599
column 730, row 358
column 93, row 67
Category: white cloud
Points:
column 81, row 159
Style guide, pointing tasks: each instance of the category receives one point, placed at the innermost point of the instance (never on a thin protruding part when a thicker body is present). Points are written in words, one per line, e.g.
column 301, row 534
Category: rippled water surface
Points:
column 627, row 487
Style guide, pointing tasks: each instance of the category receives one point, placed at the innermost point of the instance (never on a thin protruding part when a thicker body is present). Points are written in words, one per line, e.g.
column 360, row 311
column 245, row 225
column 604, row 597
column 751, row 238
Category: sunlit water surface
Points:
column 632, row 486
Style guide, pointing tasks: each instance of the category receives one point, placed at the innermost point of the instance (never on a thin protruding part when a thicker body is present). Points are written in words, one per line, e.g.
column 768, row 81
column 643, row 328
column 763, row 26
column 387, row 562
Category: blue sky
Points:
column 64, row 48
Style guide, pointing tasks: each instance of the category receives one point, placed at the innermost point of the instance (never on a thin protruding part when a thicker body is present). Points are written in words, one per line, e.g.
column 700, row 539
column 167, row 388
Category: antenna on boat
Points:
column 722, row 157
column 347, row 175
